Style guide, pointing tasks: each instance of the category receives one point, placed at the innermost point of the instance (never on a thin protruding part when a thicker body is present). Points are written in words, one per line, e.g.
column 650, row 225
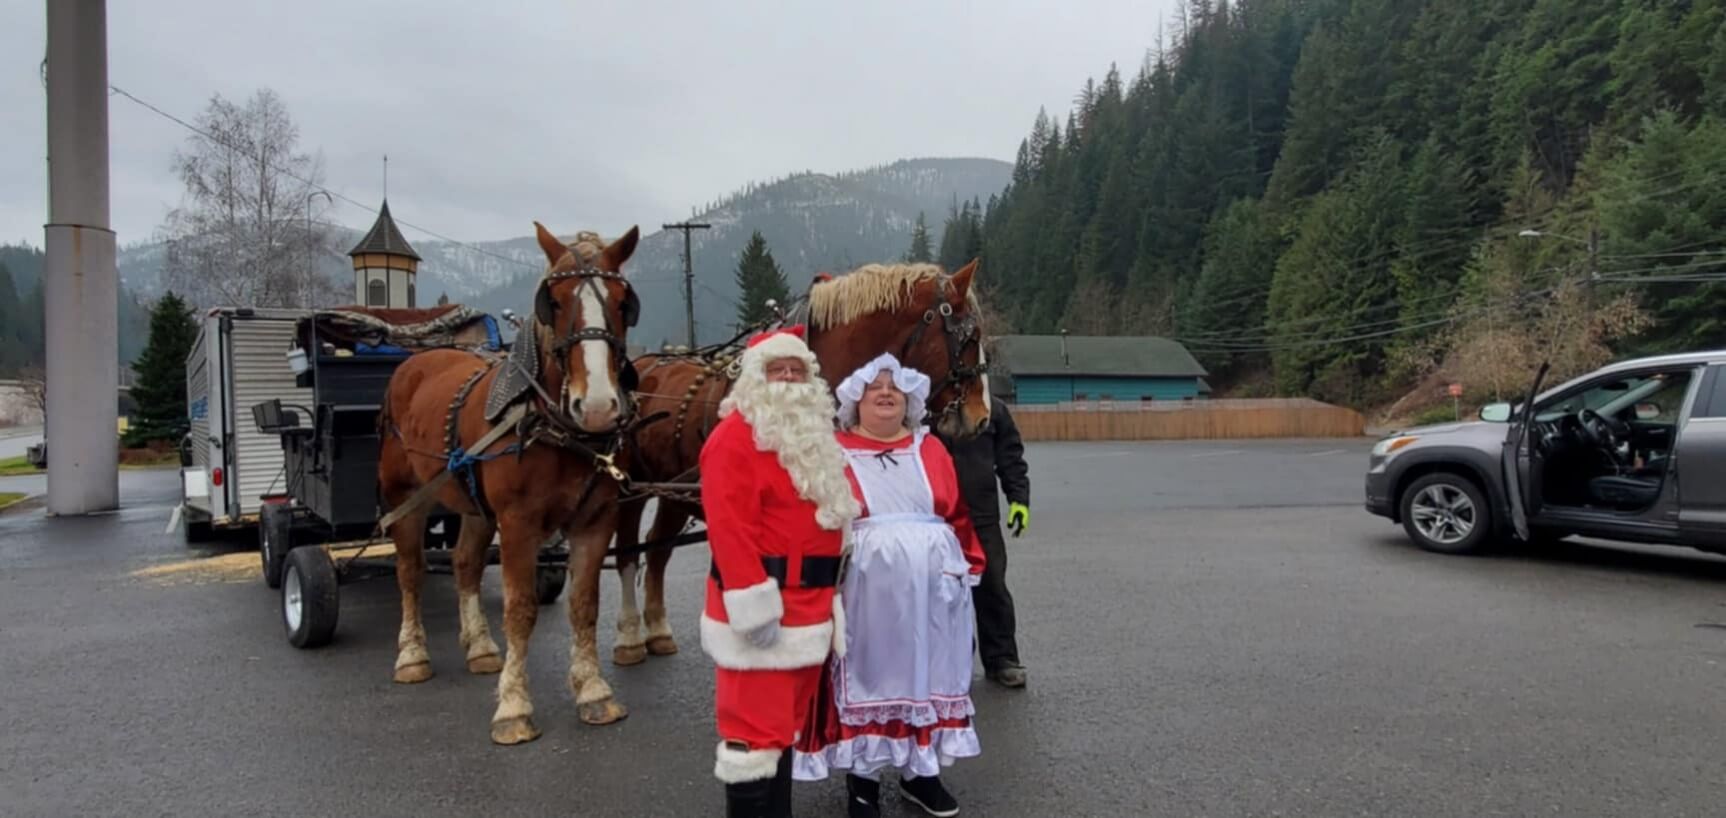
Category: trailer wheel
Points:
column 275, row 539
column 309, row 597
column 548, row 583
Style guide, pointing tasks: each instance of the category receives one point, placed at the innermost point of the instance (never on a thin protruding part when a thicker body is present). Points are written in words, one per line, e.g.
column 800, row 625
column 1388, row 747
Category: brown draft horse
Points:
column 583, row 310
column 927, row 319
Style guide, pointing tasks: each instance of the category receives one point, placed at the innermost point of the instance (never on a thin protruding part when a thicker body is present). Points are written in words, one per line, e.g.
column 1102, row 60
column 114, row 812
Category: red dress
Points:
column 900, row 695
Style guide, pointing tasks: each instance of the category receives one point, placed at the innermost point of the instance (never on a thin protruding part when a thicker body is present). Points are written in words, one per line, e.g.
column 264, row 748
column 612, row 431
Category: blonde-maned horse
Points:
column 926, row 318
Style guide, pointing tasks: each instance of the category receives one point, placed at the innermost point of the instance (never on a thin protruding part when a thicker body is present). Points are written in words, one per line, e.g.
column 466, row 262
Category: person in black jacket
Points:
column 995, row 454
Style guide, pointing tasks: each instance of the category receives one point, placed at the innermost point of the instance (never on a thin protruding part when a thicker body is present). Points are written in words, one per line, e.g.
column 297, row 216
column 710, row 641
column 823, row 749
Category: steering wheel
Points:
column 1598, row 430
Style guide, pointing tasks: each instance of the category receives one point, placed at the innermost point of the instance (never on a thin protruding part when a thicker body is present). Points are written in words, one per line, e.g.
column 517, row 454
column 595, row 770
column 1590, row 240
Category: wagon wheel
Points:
column 275, row 538
column 309, row 597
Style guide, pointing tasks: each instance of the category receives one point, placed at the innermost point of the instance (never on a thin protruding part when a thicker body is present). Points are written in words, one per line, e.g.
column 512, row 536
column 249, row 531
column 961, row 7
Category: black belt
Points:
column 818, row 572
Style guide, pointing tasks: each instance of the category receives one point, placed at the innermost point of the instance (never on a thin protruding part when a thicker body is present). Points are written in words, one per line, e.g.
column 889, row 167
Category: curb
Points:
column 22, row 504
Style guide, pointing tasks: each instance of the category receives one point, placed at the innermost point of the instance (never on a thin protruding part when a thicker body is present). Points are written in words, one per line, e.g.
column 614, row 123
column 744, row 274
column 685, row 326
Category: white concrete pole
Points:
column 81, row 284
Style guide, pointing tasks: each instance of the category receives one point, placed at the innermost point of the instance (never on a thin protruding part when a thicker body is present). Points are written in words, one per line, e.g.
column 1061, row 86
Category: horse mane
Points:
column 868, row 289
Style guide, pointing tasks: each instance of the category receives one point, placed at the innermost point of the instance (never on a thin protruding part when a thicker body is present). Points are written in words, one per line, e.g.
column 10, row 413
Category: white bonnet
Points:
column 914, row 384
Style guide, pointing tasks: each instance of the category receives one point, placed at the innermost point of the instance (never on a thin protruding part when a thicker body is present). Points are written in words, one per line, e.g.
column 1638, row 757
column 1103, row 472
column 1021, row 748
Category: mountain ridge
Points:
column 813, row 222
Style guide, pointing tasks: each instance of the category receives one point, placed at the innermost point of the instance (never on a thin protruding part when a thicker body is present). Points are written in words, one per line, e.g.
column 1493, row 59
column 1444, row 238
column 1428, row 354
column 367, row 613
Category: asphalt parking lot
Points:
column 1211, row 628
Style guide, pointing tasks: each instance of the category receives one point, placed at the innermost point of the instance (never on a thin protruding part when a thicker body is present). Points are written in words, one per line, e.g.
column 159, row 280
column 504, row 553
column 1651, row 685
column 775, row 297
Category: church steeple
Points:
column 385, row 265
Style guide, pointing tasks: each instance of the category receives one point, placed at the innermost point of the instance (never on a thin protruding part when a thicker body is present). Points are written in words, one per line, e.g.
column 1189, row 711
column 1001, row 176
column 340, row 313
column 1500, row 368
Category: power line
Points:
column 1271, row 345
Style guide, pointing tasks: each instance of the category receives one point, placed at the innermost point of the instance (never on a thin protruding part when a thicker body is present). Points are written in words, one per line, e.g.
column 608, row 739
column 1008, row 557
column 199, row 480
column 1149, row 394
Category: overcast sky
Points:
column 583, row 115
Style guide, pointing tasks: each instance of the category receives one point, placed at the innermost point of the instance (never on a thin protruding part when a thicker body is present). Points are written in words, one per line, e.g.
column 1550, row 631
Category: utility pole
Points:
column 688, row 273
column 79, row 278
column 1593, row 269
column 310, row 276
column 1593, row 254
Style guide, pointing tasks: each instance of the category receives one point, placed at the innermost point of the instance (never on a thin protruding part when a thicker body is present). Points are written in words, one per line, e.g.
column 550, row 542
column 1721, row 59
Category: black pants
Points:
column 994, row 603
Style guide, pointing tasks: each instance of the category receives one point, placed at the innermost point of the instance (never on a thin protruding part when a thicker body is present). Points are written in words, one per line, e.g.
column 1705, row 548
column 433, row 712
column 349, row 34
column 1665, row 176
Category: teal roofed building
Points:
column 1051, row 369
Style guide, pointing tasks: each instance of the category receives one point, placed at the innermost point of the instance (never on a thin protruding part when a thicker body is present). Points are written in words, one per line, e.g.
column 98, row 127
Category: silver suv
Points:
column 1635, row 451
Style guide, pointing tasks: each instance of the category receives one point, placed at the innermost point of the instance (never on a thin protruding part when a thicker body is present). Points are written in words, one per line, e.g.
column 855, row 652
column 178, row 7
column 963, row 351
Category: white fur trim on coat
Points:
column 750, row 608
column 781, row 345
column 737, row 766
column 800, row 646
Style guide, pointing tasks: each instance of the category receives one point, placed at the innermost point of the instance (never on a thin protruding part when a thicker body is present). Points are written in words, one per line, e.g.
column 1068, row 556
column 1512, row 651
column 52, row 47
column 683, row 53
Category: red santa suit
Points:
column 778, row 506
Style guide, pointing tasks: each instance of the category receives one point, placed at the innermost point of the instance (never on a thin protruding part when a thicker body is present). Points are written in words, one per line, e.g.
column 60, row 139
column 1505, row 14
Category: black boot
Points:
column 862, row 797
column 749, row 799
column 782, row 787
column 930, row 795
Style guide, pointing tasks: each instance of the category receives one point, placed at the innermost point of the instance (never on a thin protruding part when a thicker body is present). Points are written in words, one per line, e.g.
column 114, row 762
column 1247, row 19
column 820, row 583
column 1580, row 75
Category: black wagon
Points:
column 320, row 531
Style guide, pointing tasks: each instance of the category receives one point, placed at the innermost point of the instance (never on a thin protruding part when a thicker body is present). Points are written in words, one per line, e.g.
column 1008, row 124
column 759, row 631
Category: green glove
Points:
column 1018, row 517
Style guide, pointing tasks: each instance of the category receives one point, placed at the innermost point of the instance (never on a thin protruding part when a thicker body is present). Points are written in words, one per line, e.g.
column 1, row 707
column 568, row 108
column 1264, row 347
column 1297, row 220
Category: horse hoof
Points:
column 662, row 646
column 604, row 711
column 626, row 655
column 485, row 665
column 413, row 674
column 519, row 730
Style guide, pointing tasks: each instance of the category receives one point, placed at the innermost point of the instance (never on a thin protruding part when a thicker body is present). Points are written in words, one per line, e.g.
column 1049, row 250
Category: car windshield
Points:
column 1609, row 398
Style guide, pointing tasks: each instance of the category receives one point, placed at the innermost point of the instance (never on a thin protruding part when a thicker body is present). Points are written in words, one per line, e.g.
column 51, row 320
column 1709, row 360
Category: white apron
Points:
column 908, row 621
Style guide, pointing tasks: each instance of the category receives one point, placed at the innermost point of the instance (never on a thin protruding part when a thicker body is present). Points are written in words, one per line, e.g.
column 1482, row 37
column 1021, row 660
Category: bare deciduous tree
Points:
column 35, row 383
column 240, row 236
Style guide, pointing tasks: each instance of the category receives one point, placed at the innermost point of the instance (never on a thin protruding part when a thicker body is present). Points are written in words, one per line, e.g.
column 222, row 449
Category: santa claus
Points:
column 778, row 506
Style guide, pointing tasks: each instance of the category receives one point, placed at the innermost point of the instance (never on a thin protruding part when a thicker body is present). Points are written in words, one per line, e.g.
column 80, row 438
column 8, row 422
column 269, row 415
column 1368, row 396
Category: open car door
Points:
column 1516, row 456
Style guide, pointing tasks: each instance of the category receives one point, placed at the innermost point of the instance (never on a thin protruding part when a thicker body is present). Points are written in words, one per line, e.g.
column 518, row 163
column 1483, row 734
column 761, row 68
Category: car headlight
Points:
column 1392, row 444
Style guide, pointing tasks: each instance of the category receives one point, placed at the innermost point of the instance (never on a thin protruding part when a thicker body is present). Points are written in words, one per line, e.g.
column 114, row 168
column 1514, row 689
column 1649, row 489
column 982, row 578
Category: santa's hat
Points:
column 786, row 342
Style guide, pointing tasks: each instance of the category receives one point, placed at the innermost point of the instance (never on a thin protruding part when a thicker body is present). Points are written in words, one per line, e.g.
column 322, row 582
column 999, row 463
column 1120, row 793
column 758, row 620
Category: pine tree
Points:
column 920, row 253
column 759, row 280
column 1661, row 203
column 160, row 391
column 12, row 344
column 1227, row 303
column 1330, row 297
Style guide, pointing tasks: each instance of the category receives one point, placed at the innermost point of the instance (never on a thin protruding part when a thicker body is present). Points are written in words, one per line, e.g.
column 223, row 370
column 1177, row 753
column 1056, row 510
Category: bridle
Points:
column 545, row 315
column 959, row 334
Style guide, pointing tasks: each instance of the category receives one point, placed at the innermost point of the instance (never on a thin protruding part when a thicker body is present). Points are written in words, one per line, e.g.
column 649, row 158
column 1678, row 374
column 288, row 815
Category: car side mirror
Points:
column 1495, row 412
column 1647, row 411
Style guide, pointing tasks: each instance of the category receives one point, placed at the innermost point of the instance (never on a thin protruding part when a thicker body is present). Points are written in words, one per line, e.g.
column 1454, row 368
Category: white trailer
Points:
column 227, row 465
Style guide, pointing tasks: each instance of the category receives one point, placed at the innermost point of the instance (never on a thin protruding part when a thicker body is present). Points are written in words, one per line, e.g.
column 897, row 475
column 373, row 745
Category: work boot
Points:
column 1008, row 676
column 930, row 795
column 782, row 787
column 749, row 799
column 862, row 797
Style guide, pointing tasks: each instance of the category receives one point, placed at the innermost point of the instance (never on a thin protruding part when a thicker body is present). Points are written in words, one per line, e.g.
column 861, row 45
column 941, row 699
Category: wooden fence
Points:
column 1188, row 420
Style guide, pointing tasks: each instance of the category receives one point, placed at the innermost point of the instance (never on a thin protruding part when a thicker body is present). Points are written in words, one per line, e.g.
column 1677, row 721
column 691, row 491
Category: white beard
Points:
column 795, row 422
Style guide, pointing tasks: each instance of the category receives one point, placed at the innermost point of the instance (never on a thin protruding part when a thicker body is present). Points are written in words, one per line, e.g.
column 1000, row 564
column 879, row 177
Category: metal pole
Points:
column 80, row 282
column 311, row 258
column 688, row 274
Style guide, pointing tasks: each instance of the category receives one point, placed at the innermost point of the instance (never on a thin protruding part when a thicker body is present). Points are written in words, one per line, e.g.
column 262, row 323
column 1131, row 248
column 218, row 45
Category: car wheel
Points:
column 1447, row 513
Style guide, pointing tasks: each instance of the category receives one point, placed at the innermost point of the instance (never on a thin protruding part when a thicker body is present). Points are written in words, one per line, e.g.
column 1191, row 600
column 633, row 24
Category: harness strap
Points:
column 426, row 492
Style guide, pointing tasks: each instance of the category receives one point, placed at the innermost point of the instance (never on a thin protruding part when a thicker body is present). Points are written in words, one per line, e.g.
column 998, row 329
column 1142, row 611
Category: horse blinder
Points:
column 631, row 306
column 544, row 306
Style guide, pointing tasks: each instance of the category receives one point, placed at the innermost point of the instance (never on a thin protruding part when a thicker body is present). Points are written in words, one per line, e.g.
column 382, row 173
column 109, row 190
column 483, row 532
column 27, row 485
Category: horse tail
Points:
column 385, row 422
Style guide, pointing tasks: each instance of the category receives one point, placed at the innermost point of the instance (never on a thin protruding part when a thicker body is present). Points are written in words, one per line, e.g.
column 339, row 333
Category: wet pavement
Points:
column 1211, row 629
